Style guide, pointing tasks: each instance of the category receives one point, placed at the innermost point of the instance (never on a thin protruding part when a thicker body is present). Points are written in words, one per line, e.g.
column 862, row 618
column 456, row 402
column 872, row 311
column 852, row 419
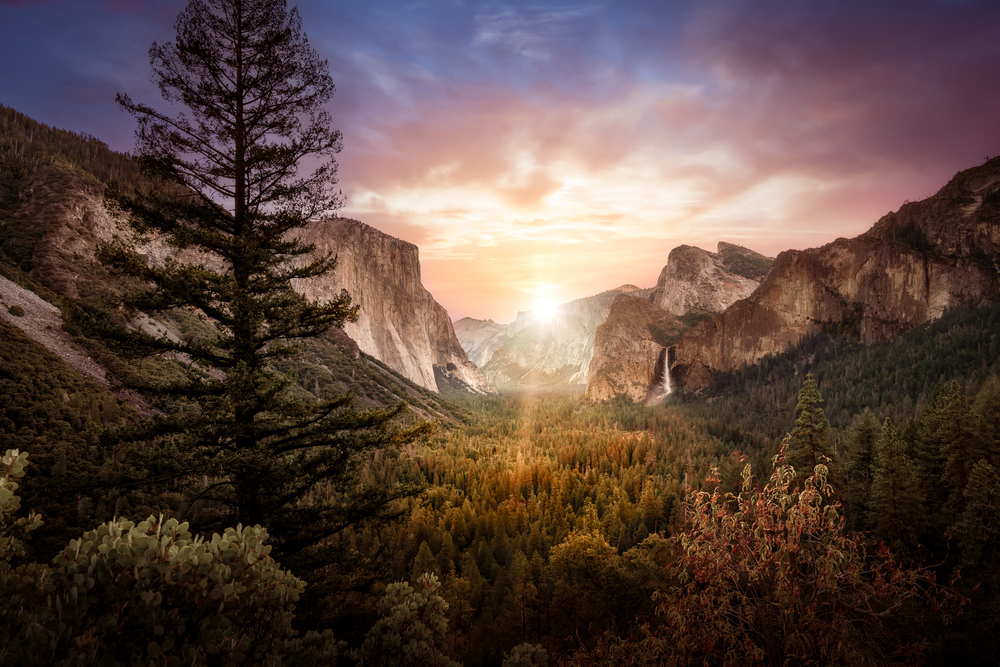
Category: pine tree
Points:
column 233, row 195
column 978, row 528
column 987, row 410
column 948, row 446
column 810, row 439
column 861, row 441
column 895, row 508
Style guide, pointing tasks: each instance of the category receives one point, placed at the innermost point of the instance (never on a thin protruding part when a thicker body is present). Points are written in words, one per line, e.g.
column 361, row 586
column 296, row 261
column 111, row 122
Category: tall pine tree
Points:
column 809, row 442
column 246, row 165
column 896, row 511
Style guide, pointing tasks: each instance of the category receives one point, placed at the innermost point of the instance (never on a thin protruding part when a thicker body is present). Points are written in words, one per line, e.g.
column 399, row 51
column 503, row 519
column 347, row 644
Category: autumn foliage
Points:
column 770, row 576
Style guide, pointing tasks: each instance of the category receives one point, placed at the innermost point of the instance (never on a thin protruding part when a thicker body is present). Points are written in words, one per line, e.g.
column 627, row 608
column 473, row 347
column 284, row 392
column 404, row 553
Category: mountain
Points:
column 630, row 353
column 697, row 281
column 399, row 323
column 909, row 268
column 629, row 350
column 552, row 352
column 480, row 338
column 52, row 218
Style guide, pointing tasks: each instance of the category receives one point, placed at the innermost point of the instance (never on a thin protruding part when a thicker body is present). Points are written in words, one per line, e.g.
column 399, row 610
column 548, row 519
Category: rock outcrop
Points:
column 911, row 266
column 630, row 354
column 697, row 281
column 399, row 322
column 627, row 349
column 552, row 352
column 480, row 338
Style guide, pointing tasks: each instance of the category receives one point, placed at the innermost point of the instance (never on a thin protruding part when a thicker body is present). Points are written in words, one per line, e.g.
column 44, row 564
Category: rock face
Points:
column 631, row 350
column 911, row 266
column 480, row 338
column 698, row 281
column 50, row 228
column 555, row 352
column 627, row 349
column 399, row 322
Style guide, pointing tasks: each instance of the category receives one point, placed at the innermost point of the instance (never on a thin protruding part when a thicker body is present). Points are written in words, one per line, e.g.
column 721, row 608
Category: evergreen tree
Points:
column 234, row 198
column 948, row 446
column 895, row 508
column 810, row 439
column 861, row 440
column 987, row 410
column 978, row 528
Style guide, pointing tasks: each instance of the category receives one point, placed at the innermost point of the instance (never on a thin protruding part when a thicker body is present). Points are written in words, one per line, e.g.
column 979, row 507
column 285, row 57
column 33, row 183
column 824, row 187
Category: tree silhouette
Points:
column 234, row 198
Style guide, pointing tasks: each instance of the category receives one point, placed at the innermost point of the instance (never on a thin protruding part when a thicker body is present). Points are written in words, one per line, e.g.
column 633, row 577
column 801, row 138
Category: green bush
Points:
column 413, row 627
column 527, row 655
column 149, row 593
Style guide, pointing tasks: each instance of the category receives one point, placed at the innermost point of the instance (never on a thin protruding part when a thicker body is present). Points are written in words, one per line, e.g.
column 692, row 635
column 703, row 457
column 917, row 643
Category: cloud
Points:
column 838, row 86
column 575, row 144
column 532, row 33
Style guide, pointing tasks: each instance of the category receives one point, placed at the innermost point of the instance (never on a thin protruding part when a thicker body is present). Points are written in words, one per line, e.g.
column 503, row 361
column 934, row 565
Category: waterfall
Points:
column 666, row 372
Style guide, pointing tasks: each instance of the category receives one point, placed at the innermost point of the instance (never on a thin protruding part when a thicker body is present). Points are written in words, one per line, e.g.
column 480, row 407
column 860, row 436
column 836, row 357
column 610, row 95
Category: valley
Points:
column 541, row 470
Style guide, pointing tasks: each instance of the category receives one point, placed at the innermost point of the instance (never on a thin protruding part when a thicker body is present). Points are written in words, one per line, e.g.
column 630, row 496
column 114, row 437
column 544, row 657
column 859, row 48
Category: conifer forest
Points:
column 255, row 491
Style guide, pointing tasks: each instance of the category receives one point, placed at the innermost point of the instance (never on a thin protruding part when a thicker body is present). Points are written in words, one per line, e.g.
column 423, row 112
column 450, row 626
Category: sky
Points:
column 545, row 151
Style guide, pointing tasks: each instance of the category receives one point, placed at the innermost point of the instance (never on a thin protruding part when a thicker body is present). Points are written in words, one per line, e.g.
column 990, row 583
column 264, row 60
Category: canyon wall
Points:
column 399, row 322
column 552, row 352
column 694, row 284
column 906, row 270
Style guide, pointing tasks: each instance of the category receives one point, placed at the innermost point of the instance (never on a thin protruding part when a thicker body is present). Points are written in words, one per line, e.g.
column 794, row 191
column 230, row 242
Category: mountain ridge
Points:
column 907, row 269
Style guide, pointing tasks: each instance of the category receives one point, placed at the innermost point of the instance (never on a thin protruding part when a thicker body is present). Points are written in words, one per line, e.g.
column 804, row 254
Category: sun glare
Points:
column 545, row 307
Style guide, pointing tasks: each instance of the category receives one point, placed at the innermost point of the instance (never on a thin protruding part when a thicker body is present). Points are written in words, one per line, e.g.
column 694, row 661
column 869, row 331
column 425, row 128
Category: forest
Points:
column 562, row 529
column 255, row 490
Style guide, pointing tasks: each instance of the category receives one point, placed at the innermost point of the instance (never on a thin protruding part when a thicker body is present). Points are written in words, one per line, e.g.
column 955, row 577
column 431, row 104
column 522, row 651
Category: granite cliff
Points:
column 399, row 322
column 909, row 268
column 630, row 349
column 627, row 349
column 696, row 281
column 480, row 338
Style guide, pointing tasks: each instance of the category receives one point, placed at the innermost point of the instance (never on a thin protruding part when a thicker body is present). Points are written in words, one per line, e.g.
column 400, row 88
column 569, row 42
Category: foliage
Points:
column 13, row 531
column 978, row 527
column 249, row 446
column 895, row 509
column 150, row 593
column 58, row 415
column 527, row 655
column 778, row 581
column 809, row 441
column 413, row 627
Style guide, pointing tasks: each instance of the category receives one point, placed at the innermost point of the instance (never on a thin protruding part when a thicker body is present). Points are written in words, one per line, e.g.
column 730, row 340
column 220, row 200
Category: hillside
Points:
column 52, row 218
column 912, row 265
column 630, row 355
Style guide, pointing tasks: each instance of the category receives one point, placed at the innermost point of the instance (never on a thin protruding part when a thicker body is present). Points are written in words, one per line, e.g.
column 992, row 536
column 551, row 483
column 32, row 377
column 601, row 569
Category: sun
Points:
column 545, row 307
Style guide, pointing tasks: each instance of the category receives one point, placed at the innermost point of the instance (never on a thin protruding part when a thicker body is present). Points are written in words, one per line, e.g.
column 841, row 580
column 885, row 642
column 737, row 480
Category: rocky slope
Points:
column 698, row 281
column 399, row 323
column 554, row 352
column 480, row 338
column 628, row 348
column 911, row 266
column 630, row 351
